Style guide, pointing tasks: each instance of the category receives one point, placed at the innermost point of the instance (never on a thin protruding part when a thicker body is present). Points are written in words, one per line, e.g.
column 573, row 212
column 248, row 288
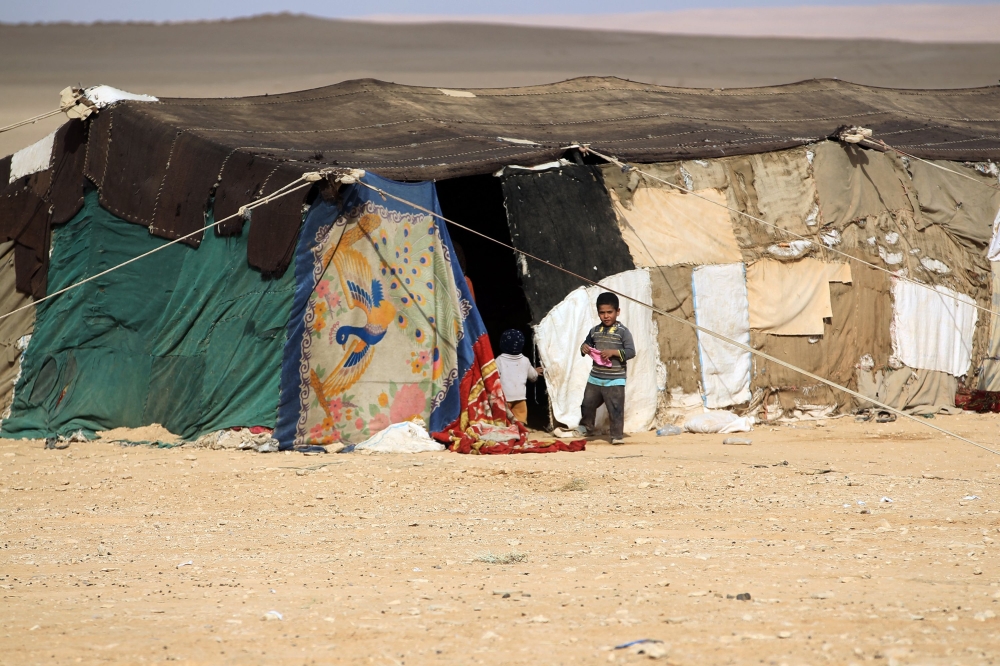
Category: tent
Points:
column 254, row 322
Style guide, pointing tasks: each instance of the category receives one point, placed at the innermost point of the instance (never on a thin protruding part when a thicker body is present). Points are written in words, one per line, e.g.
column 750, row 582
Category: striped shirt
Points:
column 615, row 337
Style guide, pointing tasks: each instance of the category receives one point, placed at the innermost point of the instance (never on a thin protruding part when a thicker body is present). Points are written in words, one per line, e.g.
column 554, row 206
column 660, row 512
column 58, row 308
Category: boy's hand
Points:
column 608, row 354
column 540, row 371
column 585, row 349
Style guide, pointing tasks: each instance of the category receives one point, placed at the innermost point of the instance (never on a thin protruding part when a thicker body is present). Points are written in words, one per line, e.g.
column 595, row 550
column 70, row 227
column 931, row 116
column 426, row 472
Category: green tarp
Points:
column 188, row 338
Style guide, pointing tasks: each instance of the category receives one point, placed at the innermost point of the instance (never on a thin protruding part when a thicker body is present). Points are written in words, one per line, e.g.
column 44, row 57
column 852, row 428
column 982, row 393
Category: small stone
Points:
column 784, row 634
column 977, row 572
column 745, row 596
column 540, row 619
column 272, row 615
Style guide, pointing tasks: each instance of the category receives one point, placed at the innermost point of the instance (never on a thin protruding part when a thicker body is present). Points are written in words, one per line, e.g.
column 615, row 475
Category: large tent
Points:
column 217, row 331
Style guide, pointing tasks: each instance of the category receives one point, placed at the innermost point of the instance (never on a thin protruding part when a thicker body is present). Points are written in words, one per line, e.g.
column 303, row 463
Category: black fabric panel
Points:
column 98, row 142
column 243, row 179
column 563, row 216
column 275, row 226
column 187, row 188
column 137, row 156
column 24, row 218
column 4, row 172
column 70, row 154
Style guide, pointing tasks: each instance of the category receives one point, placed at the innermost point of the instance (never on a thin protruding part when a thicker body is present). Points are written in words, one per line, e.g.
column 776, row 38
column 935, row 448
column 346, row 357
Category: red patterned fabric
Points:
column 482, row 404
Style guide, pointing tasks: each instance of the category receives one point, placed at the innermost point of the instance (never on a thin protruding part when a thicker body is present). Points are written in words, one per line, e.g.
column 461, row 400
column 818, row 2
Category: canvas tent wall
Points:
column 167, row 164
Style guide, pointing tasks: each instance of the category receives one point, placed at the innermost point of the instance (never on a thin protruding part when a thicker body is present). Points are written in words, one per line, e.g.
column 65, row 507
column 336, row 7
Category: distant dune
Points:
column 280, row 53
column 913, row 22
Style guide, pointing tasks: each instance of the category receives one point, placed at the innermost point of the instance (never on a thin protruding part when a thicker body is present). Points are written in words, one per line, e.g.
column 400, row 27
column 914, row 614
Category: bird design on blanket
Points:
column 364, row 292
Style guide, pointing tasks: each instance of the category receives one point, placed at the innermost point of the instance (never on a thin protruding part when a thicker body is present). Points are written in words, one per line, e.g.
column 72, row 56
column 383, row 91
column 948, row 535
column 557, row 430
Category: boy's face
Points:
column 608, row 314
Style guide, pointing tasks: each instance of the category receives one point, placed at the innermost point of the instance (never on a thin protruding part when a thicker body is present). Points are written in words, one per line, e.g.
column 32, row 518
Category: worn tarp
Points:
column 786, row 190
column 933, row 327
column 792, row 298
column 664, row 227
column 678, row 342
column 383, row 328
column 563, row 216
column 558, row 338
column 720, row 305
column 14, row 327
column 191, row 339
column 920, row 392
column 854, row 183
column 858, row 329
column 966, row 206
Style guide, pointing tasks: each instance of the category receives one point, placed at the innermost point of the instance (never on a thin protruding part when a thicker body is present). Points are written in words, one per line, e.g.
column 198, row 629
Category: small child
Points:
column 610, row 345
column 515, row 371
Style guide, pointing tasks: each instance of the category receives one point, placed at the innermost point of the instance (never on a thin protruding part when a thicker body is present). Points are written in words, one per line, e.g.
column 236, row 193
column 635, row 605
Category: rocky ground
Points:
column 135, row 554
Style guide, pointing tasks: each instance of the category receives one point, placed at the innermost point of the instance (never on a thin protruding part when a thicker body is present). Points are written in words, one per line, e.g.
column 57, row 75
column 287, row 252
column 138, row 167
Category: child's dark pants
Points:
column 612, row 397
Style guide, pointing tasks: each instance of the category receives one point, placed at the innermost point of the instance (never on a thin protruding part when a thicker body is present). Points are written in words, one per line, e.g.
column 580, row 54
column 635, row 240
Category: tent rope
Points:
column 693, row 325
column 305, row 180
column 34, row 119
column 904, row 278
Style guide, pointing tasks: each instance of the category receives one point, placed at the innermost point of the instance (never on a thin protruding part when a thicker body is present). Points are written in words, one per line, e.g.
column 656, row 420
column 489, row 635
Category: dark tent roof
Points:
column 157, row 164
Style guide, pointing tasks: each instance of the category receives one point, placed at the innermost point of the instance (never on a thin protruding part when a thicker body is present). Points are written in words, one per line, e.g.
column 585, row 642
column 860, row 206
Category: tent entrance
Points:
column 477, row 202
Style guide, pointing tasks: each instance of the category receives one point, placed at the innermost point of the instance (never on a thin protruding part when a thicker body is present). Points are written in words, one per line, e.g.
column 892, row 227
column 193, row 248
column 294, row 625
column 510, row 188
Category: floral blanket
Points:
column 382, row 328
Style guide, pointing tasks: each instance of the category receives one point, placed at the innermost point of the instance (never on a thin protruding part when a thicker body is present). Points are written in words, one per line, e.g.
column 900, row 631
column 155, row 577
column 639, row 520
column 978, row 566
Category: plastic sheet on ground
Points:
column 718, row 422
column 400, row 438
column 560, row 334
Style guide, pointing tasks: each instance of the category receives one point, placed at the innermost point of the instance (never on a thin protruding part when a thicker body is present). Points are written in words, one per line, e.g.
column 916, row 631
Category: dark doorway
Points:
column 477, row 202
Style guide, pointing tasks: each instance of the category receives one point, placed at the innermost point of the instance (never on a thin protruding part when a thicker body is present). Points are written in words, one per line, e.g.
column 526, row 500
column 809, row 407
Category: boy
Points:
column 610, row 345
column 515, row 370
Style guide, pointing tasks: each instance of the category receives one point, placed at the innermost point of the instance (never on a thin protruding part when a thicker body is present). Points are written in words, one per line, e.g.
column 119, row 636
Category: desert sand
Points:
column 282, row 53
column 135, row 554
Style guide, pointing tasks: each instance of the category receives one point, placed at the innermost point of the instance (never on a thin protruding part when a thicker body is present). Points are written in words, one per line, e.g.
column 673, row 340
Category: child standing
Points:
column 610, row 345
column 515, row 370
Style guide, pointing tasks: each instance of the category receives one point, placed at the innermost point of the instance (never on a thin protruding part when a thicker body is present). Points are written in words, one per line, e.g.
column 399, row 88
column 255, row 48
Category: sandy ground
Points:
column 114, row 554
column 278, row 54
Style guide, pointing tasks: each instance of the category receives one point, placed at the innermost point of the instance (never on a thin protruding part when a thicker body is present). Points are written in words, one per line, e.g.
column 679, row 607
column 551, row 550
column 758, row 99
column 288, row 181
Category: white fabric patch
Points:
column 102, row 96
column 559, row 336
column 36, row 157
column 721, row 306
column 993, row 254
column 932, row 328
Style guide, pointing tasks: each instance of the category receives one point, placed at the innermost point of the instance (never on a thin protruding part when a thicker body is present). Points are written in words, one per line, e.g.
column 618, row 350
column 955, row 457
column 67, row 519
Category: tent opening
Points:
column 477, row 202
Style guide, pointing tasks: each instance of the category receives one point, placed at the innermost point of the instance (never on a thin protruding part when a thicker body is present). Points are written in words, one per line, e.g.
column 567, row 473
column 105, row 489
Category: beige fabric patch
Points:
column 667, row 228
column 792, row 299
column 12, row 327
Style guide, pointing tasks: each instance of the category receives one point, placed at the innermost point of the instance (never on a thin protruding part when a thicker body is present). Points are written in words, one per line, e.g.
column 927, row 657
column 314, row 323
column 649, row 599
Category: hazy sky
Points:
column 15, row 11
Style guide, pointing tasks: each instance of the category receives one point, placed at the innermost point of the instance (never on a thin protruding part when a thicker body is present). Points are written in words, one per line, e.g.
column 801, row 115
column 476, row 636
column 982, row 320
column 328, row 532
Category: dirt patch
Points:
column 851, row 550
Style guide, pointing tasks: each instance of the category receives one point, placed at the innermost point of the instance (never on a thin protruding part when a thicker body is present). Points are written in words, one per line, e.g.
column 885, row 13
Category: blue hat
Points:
column 512, row 342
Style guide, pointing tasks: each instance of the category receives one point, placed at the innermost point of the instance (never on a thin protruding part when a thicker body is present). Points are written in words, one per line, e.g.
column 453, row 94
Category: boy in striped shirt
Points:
column 610, row 345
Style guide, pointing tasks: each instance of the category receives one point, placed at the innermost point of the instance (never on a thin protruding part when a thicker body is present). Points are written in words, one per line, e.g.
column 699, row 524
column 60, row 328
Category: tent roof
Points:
column 415, row 133
column 158, row 163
